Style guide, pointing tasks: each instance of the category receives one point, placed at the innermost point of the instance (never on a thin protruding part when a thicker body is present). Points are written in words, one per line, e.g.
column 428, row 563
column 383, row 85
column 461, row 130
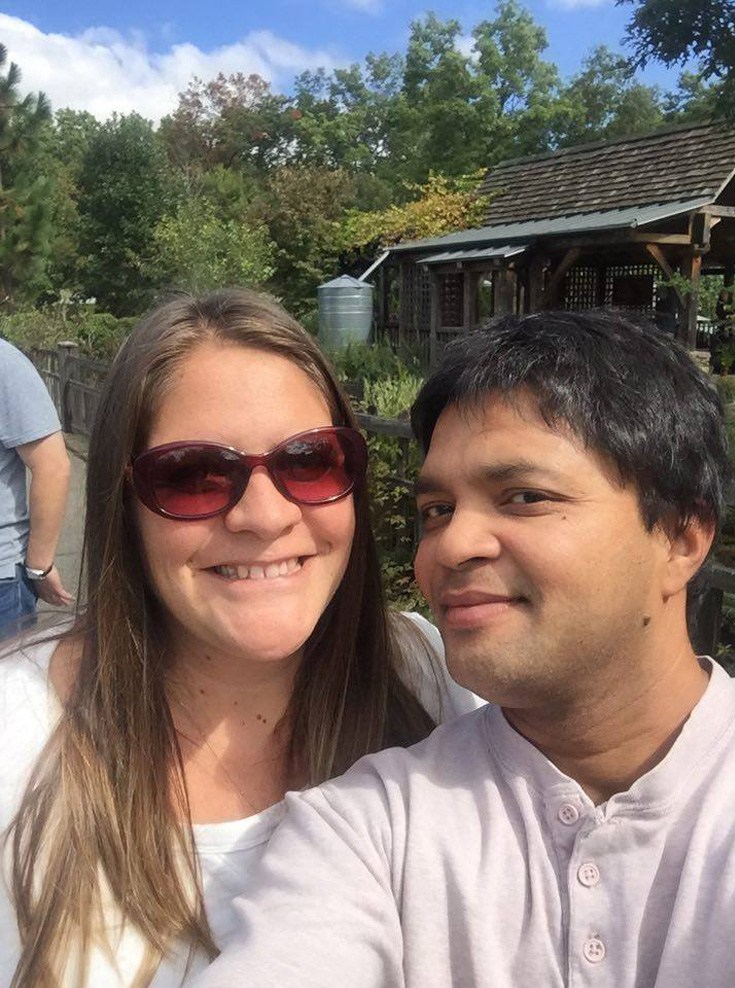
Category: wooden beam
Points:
column 719, row 210
column 557, row 276
column 616, row 238
column 657, row 254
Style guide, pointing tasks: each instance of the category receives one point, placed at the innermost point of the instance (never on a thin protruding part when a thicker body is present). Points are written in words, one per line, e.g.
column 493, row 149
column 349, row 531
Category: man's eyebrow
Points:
column 497, row 473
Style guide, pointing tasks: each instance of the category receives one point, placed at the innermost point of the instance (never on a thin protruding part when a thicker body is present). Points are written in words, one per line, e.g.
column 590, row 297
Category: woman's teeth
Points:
column 268, row 572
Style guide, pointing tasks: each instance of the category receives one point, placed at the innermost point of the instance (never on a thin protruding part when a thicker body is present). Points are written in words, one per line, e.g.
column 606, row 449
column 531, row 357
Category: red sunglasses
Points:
column 190, row 481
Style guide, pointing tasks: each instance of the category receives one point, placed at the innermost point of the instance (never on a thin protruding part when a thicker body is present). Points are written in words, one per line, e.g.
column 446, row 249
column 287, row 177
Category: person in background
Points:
column 30, row 519
column 234, row 644
column 580, row 829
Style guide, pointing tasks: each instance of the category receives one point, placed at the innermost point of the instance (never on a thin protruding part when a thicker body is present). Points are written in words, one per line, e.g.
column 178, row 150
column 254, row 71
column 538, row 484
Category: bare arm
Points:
column 48, row 463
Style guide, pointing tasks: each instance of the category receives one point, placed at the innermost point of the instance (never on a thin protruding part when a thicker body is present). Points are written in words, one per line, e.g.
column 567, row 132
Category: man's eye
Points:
column 528, row 497
column 431, row 511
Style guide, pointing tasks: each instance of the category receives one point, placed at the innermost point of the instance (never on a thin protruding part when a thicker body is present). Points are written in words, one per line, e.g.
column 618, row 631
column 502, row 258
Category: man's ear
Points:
column 688, row 548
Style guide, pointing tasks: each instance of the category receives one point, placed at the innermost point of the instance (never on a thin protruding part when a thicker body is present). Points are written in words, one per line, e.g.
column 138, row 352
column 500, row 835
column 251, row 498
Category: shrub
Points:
column 726, row 388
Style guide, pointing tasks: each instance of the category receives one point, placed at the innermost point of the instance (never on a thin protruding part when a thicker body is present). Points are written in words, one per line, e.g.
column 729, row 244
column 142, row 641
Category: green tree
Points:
column 604, row 101
column 694, row 100
column 675, row 31
column 24, row 214
column 304, row 209
column 59, row 158
column 199, row 249
column 122, row 197
column 440, row 206
column 234, row 120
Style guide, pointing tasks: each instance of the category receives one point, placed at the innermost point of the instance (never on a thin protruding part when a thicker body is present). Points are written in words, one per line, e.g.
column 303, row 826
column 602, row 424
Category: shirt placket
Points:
column 575, row 828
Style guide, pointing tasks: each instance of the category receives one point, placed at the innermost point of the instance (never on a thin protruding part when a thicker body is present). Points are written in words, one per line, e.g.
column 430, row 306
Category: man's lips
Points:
column 472, row 608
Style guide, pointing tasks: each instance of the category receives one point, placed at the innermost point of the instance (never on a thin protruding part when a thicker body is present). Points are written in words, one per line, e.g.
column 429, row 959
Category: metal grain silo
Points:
column 345, row 312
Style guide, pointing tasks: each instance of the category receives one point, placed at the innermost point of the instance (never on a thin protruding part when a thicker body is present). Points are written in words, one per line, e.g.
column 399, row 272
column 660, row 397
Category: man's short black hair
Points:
column 621, row 387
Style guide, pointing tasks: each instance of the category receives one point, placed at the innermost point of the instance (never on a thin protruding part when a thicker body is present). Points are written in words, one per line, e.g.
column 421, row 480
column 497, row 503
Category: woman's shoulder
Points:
column 424, row 669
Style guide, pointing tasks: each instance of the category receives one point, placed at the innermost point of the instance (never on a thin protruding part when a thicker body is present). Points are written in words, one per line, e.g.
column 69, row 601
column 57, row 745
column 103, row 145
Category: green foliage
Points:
column 199, row 249
column 440, row 206
column 604, row 101
column 366, row 362
column 24, row 213
column 303, row 207
column 98, row 334
column 394, row 464
column 675, row 31
column 122, row 197
column 392, row 397
column 726, row 390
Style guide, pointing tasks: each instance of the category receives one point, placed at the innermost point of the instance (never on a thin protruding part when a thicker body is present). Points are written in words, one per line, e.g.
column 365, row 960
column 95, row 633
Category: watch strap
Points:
column 37, row 574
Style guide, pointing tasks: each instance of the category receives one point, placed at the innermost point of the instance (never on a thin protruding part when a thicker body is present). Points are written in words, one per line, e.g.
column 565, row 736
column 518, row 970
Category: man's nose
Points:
column 468, row 536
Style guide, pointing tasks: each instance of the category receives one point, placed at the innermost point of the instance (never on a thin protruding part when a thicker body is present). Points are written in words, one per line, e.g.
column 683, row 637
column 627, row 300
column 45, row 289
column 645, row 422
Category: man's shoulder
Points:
column 11, row 355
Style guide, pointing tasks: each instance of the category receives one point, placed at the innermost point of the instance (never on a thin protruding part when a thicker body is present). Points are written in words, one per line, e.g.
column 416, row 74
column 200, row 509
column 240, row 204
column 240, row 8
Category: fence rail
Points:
column 74, row 383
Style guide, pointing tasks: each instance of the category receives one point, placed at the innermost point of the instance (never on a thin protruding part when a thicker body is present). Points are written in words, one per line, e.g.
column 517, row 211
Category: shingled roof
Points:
column 672, row 165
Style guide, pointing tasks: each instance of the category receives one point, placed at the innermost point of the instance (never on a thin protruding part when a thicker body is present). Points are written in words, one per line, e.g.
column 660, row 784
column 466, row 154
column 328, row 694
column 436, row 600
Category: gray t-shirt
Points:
column 27, row 413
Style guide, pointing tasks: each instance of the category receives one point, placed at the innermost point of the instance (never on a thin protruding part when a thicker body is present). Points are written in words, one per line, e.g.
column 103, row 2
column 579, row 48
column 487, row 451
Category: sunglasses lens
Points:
column 194, row 481
column 314, row 469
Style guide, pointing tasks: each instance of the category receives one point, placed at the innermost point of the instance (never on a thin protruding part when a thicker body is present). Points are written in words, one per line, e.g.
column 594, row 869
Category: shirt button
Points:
column 588, row 874
column 568, row 814
column 594, row 950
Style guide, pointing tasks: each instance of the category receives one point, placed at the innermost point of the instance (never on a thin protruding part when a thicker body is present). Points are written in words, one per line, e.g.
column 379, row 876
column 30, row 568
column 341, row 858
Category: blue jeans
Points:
column 17, row 604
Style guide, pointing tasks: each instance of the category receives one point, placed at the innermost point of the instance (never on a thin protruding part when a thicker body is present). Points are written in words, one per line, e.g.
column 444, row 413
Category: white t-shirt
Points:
column 227, row 852
column 471, row 861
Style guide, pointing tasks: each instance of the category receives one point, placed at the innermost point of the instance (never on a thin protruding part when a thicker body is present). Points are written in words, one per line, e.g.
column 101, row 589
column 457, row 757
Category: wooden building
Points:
column 595, row 225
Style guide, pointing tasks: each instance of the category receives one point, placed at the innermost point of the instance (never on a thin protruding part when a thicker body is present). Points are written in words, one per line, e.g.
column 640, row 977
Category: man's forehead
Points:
column 485, row 411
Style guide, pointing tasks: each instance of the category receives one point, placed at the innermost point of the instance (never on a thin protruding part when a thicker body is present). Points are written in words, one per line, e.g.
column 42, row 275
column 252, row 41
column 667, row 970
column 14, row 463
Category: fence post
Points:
column 66, row 351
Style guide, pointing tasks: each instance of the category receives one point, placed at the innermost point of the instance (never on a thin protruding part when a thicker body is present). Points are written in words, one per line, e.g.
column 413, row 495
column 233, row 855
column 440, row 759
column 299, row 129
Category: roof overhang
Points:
column 503, row 252
column 503, row 235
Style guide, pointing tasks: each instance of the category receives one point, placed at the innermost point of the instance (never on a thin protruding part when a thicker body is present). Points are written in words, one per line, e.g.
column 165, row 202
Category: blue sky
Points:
column 138, row 54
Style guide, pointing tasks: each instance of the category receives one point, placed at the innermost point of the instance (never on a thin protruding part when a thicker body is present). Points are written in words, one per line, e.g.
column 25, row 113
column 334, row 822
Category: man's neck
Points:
column 606, row 744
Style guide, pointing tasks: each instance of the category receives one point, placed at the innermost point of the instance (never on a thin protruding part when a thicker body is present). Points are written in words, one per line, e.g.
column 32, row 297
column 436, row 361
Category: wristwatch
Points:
column 37, row 574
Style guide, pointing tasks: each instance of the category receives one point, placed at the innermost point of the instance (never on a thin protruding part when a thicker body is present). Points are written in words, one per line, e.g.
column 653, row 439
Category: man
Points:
column 579, row 830
column 30, row 523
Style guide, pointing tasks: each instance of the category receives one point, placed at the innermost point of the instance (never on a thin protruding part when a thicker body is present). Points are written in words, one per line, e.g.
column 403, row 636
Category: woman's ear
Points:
column 688, row 549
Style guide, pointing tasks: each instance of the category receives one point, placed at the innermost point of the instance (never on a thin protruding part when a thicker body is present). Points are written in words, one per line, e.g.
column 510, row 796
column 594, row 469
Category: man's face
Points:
column 539, row 570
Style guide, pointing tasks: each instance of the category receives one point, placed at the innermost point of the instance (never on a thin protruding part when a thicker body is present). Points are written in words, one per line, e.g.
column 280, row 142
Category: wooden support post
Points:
column 469, row 300
column 535, row 294
column 505, row 292
column 404, row 303
column 688, row 323
column 433, row 331
column 552, row 292
column 66, row 351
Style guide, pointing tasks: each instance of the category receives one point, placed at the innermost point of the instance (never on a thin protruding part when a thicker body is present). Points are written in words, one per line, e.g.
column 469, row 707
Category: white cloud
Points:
column 580, row 4
column 465, row 45
column 368, row 6
column 104, row 72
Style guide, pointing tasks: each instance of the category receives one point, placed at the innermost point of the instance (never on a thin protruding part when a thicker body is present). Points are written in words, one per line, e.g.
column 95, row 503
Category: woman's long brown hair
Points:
column 97, row 825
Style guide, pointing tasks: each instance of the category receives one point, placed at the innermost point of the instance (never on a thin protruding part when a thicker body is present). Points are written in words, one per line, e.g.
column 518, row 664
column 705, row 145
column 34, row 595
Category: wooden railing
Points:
column 74, row 383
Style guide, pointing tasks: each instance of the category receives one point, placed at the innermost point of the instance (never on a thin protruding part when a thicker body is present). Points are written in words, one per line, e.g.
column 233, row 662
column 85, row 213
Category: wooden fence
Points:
column 74, row 383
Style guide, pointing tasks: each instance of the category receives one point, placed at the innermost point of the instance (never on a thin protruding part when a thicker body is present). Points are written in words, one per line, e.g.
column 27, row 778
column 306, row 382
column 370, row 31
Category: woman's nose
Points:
column 263, row 508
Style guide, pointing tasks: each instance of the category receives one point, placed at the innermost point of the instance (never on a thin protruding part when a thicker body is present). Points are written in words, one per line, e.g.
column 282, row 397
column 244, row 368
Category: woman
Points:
column 234, row 645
